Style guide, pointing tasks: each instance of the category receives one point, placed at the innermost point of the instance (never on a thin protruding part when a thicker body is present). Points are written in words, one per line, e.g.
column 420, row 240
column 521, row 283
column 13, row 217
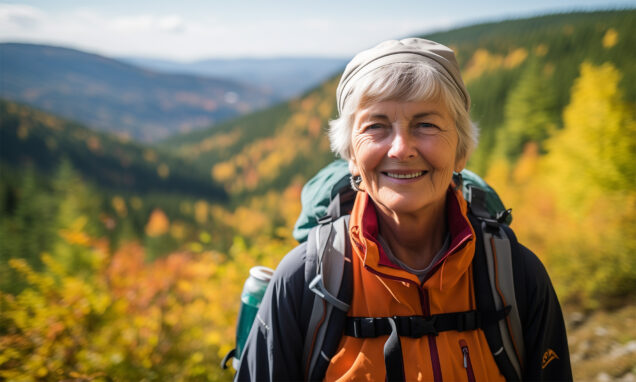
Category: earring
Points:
column 458, row 179
column 355, row 182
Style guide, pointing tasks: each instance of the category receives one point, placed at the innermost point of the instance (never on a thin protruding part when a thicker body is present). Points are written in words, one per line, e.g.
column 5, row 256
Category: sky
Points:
column 190, row 30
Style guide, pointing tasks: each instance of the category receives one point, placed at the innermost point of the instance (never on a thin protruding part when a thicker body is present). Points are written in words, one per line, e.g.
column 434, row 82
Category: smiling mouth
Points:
column 410, row 175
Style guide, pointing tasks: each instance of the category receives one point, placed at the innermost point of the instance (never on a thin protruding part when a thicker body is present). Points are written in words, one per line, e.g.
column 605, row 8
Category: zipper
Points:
column 467, row 364
column 432, row 343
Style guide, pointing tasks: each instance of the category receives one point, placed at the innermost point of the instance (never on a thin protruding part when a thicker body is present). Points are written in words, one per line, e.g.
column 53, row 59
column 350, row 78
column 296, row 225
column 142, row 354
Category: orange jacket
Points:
column 383, row 289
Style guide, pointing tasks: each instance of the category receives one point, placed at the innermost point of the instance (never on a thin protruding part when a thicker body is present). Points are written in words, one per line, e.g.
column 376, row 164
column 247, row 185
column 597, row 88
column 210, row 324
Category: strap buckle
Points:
column 417, row 326
column 364, row 327
column 468, row 321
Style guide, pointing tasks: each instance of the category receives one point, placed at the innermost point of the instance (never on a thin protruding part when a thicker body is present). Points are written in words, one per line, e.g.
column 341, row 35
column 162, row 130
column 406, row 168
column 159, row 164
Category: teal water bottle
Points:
column 251, row 297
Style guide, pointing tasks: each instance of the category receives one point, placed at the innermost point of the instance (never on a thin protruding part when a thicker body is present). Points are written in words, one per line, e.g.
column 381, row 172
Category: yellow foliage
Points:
column 541, row 50
column 483, row 61
column 23, row 130
column 150, row 155
column 290, row 206
column 314, row 127
column 178, row 230
column 212, row 143
column 299, row 120
column 185, row 208
column 223, row 172
column 595, row 148
column 515, row 58
column 527, row 164
column 575, row 205
column 158, row 223
column 201, row 211
column 249, row 222
column 308, row 103
column 75, row 234
column 136, row 203
column 325, row 109
column 163, row 170
column 610, row 38
column 119, row 204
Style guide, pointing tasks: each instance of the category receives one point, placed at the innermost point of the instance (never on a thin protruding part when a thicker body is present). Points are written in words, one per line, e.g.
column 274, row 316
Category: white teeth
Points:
column 404, row 176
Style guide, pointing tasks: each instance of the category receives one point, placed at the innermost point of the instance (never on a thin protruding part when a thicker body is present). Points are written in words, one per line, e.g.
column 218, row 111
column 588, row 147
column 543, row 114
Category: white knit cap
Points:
column 403, row 51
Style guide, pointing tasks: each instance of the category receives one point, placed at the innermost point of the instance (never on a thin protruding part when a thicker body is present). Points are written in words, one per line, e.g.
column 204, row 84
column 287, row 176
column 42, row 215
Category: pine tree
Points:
column 530, row 112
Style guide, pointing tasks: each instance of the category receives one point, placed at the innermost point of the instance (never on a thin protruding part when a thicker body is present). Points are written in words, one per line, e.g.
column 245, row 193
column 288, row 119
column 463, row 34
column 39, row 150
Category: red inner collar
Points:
column 458, row 226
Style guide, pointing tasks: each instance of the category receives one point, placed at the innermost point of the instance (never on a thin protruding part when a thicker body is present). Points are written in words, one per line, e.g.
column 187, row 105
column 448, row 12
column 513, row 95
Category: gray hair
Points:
column 408, row 82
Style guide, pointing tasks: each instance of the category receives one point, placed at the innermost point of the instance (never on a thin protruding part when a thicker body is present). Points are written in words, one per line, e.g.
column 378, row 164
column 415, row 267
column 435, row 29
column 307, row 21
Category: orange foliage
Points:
column 610, row 38
column 158, row 223
column 483, row 61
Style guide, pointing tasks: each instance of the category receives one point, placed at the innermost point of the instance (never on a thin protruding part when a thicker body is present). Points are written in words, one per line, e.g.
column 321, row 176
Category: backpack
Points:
column 328, row 273
column 327, row 200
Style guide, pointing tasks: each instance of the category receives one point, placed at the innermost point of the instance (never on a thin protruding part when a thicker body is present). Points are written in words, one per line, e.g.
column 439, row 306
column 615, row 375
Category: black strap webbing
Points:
column 415, row 327
column 393, row 363
column 419, row 326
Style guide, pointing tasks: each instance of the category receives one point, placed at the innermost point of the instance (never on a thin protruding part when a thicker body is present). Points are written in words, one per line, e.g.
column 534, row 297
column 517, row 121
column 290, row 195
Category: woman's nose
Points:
column 401, row 146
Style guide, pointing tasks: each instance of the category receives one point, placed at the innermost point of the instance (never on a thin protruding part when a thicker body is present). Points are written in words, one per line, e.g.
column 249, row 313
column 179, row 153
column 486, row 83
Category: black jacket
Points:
column 274, row 349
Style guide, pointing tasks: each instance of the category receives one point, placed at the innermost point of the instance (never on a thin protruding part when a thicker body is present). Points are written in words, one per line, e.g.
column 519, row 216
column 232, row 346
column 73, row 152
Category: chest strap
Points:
column 415, row 327
column 419, row 326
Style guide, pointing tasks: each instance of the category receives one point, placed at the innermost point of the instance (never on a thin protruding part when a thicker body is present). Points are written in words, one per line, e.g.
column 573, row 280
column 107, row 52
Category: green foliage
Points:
column 21, row 234
column 595, row 155
column 29, row 136
column 576, row 204
column 126, row 318
column 530, row 113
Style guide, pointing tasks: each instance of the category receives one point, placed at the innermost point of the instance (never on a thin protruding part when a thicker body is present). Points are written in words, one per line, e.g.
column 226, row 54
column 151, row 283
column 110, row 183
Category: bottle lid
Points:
column 262, row 273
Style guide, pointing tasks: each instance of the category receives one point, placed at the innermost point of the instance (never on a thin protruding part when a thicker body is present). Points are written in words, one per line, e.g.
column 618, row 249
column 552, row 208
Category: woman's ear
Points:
column 460, row 163
column 353, row 167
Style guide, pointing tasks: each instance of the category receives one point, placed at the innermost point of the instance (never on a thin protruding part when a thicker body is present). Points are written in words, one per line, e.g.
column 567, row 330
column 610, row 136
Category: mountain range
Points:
column 285, row 77
column 116, row 97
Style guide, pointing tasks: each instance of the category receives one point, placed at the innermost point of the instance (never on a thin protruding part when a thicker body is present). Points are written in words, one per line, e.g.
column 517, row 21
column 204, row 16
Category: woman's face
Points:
column 405, row 153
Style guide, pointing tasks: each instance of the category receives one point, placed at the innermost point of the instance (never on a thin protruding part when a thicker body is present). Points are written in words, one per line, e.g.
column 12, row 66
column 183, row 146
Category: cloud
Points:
column 149, row 23
column 182, row 34
column 173, row 24
column 20, row 16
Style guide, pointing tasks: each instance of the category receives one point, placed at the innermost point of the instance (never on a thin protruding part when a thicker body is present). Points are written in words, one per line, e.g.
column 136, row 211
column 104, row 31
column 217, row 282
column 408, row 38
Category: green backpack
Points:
column 328, row 184
column 327, row 200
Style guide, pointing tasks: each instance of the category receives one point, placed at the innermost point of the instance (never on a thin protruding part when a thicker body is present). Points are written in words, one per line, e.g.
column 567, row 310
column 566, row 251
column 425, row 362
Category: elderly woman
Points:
column 404, row 128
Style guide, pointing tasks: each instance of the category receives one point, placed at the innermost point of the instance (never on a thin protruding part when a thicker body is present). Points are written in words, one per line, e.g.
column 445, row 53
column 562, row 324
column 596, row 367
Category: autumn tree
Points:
column 590, row 170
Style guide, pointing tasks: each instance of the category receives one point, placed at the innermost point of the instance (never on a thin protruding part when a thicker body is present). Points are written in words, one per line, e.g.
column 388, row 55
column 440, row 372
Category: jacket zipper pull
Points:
column 467, row 364
column 465, row 351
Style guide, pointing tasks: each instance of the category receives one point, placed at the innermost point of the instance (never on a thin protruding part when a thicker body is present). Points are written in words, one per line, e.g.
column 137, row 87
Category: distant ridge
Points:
column 113, row 96
column 285, row 77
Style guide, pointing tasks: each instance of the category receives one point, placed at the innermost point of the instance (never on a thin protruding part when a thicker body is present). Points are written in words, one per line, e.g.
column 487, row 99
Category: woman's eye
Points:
column 374, row 126
column 427, row 128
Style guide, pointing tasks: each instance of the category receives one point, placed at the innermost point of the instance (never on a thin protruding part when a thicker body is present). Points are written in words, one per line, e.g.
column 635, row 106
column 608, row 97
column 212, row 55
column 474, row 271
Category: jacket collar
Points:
column 364, row 234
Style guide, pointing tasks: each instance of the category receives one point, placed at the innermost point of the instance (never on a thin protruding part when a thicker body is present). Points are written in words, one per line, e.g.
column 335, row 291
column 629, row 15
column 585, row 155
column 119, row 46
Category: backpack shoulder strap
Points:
column 329, row 276
column 495, row 287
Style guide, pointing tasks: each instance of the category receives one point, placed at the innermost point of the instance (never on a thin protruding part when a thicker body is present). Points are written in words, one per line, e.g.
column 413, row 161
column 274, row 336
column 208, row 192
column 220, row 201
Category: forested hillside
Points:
column 519, row 74
column 127, row 285
column 109, row 95
column 30, row 137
